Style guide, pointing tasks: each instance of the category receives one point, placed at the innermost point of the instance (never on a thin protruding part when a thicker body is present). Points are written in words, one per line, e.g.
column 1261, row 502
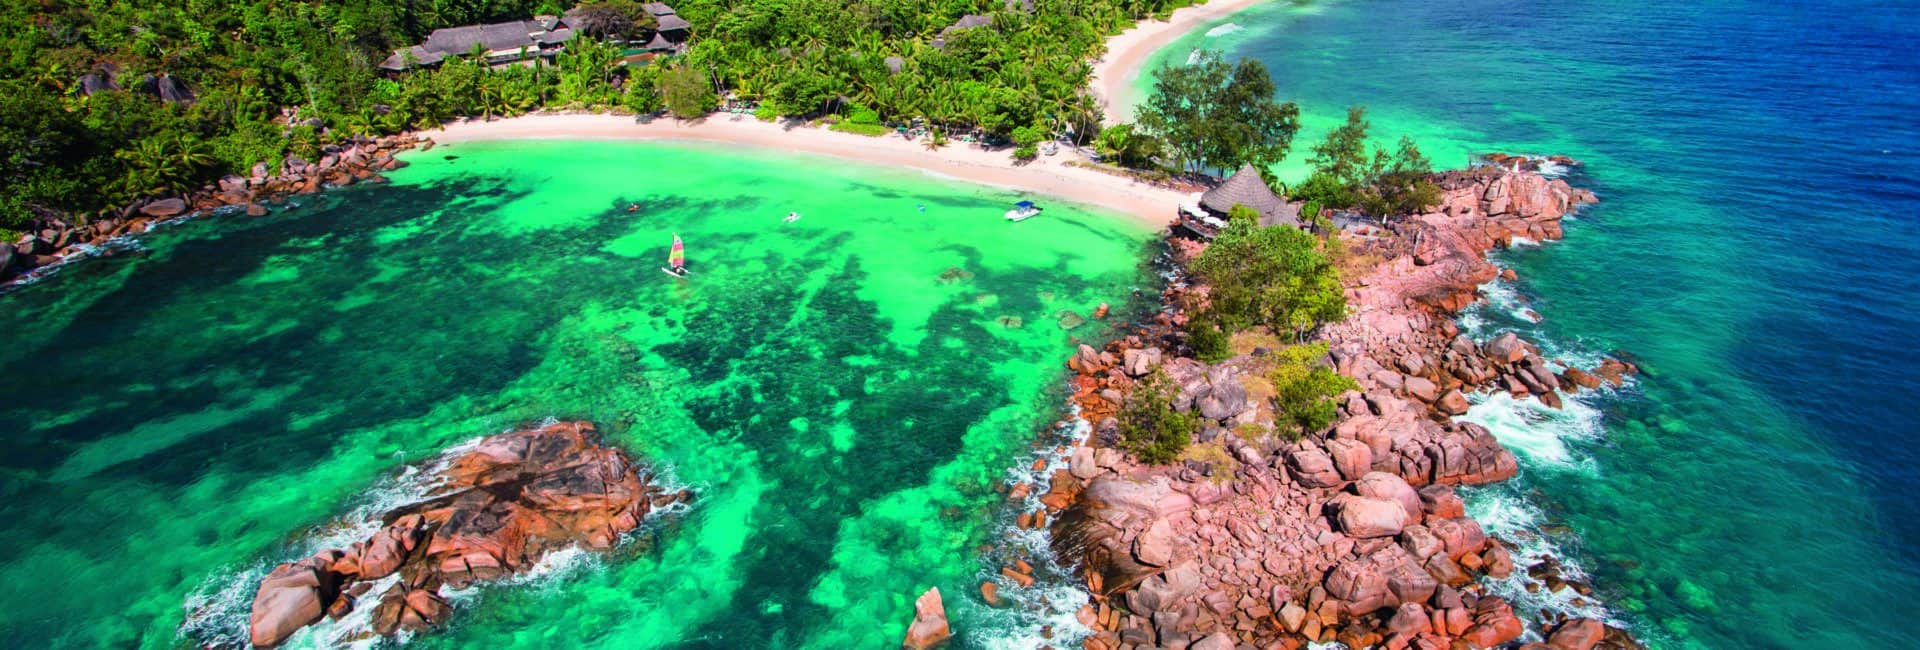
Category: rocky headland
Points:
column 495, row 509
column 1353, row 533
column 51, row 239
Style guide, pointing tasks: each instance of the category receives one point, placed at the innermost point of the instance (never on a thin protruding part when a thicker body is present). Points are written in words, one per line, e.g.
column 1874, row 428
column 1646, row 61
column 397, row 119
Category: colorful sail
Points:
column 678, row 258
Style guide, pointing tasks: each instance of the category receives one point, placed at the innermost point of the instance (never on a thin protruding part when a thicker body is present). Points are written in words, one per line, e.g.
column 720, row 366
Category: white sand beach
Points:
column 1153, row 206
column 1114, row 74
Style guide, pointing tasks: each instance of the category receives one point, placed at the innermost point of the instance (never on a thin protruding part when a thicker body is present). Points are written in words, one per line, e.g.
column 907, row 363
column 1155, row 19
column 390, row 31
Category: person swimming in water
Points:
column 792, row 217
column 633, row 207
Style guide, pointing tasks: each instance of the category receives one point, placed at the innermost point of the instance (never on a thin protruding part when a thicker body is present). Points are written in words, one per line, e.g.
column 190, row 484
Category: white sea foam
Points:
column 218, row 608
column 1053, row 601
column 1471, row 321
column 1504, row 309
column 1224, row 30
column 1541, row 437
column 1536, row 432
column 1506, row 298
column 1513, row 519
column 1194, row 56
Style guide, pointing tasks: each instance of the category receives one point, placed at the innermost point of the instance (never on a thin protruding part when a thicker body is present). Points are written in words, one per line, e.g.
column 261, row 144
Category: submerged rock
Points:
column 497, row 508
column 1070, row 319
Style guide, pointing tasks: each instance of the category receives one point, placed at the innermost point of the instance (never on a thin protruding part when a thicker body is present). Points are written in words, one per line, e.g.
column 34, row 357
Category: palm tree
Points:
column 156, row 165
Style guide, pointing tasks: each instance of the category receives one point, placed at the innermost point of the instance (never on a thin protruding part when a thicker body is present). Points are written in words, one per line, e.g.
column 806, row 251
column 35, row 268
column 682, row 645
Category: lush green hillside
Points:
column 268, row 77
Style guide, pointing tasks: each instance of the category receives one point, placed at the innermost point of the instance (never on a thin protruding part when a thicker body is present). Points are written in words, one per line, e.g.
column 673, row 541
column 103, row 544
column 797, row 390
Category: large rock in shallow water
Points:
column 292, row 596
column 929, row 626
column 495, row 509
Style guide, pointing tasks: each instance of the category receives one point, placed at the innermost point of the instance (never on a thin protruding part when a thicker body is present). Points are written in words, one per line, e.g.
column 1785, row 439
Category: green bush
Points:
column 248, row 144
column 1123, row 145
column 1387, row 184
column 1210, row 343
column 1323, row 189
column 862, row 115
column 1150, row 427
column 687, row 92
column 765, row 113
column 870, row 130
column 1026, row 140
column 1304, row 389
column 1277, row 276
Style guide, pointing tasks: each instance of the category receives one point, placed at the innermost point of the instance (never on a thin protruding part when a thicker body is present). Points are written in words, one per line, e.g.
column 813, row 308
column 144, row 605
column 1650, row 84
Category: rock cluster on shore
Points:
column 1351, row 534
column 50, row 239
column 496, row 509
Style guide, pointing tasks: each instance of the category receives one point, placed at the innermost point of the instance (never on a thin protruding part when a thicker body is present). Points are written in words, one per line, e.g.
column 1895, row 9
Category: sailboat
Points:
column 676, row 259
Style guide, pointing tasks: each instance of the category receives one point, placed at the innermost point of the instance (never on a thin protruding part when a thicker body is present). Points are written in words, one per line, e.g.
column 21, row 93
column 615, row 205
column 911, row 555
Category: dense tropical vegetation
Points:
column 103, row 102
column 1384, row 184
column 1215, row 115
column 1151, row 428
column 1276, row 277
column 1304, row 389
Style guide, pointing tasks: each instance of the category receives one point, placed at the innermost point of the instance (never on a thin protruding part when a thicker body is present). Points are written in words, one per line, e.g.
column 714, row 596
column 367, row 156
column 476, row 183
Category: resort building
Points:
column 1208, row 213
column 508, row 42
column 528, row 40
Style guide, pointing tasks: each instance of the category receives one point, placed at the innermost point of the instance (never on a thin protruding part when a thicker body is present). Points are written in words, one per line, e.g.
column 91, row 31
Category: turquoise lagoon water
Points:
column 1756, row 250
column 843, row 393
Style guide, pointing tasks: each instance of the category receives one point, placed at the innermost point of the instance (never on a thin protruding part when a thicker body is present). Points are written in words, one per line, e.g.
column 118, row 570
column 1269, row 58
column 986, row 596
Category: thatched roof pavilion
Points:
column 1246, row 188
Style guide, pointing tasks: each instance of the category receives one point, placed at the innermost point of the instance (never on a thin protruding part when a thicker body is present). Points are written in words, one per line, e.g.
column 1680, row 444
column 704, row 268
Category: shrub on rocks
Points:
column 1276, row 276
column 1304, row 389
column 1150, row 427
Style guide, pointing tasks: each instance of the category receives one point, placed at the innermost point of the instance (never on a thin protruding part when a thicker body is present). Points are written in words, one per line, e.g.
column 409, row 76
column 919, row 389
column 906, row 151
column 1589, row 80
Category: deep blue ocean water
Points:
column 1757, row 251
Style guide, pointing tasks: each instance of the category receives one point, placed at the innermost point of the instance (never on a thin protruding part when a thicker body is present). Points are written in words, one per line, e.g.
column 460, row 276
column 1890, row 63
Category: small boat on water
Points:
column 1023, row 211
column 676, row 259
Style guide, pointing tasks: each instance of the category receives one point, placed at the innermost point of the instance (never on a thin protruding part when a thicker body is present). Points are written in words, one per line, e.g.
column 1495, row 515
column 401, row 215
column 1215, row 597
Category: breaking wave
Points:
column 1519, row 523
column 1043, row 614
column 1224, row 30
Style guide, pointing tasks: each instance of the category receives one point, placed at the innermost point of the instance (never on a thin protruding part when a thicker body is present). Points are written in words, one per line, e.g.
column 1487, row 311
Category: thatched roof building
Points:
column 1208, row 214
column 495, row 37
column 507, row 41
column 1246, row 188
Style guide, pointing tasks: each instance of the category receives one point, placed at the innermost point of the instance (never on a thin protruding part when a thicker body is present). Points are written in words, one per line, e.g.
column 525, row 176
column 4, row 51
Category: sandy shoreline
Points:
column 1150, row 205
column 1114, row 73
